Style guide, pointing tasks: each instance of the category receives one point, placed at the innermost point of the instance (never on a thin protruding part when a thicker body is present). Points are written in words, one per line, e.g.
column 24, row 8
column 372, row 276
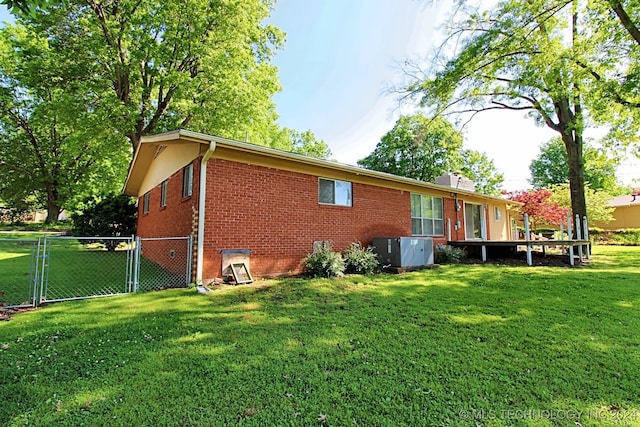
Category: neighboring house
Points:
column 276, row 204
column 626, row 213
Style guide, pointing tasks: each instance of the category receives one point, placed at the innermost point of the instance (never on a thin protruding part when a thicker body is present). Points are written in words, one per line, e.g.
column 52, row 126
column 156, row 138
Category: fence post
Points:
column 527, row 236
column 189, row 258
column 570, row 234
column 579, row 235
column 136, row 263
column 585, row 232
column 131, row 258
column 35, row 265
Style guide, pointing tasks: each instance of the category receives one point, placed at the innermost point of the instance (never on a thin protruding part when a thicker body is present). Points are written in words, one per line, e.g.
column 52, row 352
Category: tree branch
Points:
column 626, row 21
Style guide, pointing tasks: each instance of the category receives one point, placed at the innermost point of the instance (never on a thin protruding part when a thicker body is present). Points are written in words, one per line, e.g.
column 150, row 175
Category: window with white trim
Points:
column 187, row 180
column 333, row 192
column 497, row 213
column 145, row 202
column 163, row 193
column 427, row 218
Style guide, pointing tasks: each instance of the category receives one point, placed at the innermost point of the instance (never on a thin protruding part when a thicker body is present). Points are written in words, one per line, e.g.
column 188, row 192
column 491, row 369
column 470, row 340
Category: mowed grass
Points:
column 460, row 345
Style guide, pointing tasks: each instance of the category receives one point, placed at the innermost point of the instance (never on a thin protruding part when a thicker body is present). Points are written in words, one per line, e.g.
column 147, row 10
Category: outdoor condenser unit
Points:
column 404, row 251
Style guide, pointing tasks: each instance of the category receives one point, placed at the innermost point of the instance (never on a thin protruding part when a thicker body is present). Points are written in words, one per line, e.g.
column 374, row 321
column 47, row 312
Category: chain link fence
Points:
column 163, row 263
column 85, row 267
column 60, row 268
column 18, row 272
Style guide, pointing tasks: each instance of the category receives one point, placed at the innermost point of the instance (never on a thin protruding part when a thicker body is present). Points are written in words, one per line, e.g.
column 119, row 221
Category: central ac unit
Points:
column 404, row 251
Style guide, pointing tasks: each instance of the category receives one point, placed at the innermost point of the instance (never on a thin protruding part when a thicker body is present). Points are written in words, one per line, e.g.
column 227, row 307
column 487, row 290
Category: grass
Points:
column 459, row 345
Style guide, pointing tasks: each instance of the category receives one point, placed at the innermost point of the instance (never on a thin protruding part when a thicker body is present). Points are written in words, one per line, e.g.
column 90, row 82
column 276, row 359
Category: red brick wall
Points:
column 176, row 219
column 276, row 214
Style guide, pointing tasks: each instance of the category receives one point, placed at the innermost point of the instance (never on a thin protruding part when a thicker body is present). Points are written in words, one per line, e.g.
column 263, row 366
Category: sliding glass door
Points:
column 473, row 221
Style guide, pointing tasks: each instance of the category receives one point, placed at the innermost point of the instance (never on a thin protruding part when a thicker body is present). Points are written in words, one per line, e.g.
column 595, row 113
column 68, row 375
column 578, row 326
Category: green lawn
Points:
column 459, row 345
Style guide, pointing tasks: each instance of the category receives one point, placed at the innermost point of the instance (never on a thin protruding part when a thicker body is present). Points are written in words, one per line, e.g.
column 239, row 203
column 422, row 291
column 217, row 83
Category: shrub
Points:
column 623, row 237
column 324, row 262
column 446, row 254
column 113, row 216
column 359, row 260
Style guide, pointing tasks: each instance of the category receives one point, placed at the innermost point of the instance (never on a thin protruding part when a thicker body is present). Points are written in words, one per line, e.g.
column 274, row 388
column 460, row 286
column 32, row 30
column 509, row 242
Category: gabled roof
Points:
column 193, row 144
column 625, row 201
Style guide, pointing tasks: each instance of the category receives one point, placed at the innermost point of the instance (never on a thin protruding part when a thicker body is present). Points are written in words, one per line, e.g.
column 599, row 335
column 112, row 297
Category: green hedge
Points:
column 623, row 237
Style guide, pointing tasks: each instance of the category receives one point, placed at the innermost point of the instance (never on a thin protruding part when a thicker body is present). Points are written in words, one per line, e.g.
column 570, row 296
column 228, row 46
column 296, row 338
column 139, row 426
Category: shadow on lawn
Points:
column 419, row 348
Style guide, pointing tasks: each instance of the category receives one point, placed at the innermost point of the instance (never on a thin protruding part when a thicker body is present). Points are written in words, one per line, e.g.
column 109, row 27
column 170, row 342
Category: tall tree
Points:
column 550, row 167
column 421, row 148
column 524, row 56
column 417, row 147
column 172, row 64
column 480, row 169
column 628, row 13
column 54, row 147
column 306, row 143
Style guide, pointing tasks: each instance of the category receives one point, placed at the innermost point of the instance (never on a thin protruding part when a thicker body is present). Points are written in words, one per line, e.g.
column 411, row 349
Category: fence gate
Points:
column 86, row 267
column 19, row 273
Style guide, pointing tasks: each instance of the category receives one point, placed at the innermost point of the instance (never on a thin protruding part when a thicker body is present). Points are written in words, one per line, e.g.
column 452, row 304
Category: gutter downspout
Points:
column 202, row 196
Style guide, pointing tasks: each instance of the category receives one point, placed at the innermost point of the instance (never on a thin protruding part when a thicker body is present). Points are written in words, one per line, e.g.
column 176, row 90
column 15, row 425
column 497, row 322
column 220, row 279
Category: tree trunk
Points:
column 53, row 212
column 134, row 138
column 53, row 207
column 574, row 145
column 570, row 128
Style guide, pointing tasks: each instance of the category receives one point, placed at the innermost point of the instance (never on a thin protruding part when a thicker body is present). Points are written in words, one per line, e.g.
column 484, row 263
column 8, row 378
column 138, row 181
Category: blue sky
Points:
column 339, row 57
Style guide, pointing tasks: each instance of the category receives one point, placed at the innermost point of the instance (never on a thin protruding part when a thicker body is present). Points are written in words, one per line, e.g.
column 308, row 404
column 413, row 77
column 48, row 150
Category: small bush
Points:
column 446, row 254
column 359, row 260
column 113, row 216
column 324, row 263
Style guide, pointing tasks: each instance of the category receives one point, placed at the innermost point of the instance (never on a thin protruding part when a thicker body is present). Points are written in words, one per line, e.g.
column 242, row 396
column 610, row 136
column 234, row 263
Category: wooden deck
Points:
column 512, row 245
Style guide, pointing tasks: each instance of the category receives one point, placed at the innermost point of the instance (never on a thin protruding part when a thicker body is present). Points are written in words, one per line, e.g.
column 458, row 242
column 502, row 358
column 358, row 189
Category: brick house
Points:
column 276, row 204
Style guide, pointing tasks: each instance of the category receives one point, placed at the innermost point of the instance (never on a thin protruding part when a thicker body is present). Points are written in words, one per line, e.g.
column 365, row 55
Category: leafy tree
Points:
column 111, row 216
column 418, row 148
column 535, row 57
column 550, row 167
column 54, row 146
column 627, row 12
column 598, row 209
column 80, row 78
column 421, row 148
column 615, row 35
column 22, row 6
column 539, row 207
column 307, row 144
column 480, row 169
column 163, row 65
column 301, row 143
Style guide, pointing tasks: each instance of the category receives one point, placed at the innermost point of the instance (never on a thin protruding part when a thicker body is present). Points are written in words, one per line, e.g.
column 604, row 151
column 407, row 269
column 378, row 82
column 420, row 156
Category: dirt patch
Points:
column 538, row 259
column 6, row 313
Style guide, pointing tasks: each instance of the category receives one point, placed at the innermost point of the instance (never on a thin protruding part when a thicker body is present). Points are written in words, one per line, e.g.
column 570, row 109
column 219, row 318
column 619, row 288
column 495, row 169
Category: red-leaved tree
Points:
column 537, row 206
